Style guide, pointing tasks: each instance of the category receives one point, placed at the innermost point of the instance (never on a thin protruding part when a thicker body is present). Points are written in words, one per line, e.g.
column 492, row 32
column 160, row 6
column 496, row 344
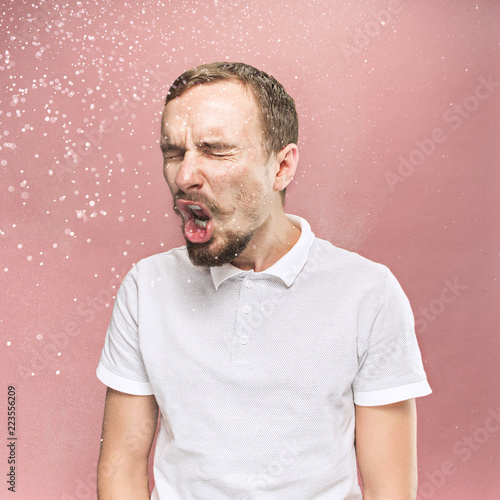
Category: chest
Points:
column 252, row 338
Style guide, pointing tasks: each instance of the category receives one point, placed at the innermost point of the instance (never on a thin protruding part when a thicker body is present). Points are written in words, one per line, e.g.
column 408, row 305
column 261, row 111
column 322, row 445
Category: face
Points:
column 215, row 166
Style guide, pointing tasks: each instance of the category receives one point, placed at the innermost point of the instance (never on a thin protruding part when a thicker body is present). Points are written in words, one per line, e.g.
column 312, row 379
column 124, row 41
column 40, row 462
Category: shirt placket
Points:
column 243, row 339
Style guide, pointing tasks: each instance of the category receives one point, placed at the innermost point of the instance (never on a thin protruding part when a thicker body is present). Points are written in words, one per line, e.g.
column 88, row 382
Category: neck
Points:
column 273, row 239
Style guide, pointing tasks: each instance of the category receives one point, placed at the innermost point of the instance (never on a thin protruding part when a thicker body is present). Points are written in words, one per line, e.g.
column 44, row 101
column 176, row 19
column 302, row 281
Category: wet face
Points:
column 217, row 171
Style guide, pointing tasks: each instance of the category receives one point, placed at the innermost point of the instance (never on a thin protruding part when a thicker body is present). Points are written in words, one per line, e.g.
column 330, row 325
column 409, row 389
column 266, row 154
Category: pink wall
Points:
column 367, row 94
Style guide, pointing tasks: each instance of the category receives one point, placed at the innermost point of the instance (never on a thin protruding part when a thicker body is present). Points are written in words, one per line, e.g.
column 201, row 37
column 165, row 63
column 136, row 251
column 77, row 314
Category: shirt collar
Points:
column 286, row 269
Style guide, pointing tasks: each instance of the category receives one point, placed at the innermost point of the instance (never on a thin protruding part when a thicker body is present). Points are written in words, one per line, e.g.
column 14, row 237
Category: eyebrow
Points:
column 213, row 145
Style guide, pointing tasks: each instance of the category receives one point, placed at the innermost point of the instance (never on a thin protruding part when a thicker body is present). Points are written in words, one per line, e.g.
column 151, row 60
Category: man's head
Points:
column 228, row 139
column 277, row 109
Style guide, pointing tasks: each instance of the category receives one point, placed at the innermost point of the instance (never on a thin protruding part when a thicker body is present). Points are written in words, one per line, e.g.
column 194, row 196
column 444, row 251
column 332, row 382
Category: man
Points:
column 276, row 359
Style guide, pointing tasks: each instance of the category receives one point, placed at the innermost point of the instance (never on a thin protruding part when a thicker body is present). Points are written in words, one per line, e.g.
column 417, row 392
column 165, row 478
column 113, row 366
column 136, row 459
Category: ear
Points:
column 286, row 165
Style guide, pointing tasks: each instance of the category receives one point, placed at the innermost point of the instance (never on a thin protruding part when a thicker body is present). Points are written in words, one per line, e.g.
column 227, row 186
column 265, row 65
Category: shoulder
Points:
column 172, row 266
column 344, row 273
column 169, row 263
column 345, row 263
column 169, row 259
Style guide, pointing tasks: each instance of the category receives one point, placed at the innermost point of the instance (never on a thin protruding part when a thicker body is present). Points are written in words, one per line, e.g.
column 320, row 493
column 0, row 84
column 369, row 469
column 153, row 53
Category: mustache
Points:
column 213, row 207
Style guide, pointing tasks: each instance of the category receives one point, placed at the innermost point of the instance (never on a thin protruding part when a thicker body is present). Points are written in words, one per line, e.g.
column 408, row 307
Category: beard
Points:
column 224, row 252
column 201, row 254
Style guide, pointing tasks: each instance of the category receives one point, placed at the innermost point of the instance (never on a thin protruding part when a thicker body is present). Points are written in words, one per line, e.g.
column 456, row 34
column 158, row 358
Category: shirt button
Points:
column 247, row 309
column 249, row 283
column 244, row 340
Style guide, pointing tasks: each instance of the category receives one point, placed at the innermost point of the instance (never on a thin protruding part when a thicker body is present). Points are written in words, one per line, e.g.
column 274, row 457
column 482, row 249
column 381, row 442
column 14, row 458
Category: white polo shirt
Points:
column 256, row 374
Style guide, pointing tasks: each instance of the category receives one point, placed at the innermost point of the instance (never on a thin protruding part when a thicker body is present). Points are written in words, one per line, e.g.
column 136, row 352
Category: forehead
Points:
column 225, row 107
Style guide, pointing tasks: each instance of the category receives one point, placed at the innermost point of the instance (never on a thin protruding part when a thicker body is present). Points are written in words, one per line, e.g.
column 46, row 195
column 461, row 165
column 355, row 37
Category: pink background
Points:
column 370, row 81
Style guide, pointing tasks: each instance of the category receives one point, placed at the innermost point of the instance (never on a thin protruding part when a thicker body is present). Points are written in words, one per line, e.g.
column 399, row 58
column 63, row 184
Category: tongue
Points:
column 197, row 234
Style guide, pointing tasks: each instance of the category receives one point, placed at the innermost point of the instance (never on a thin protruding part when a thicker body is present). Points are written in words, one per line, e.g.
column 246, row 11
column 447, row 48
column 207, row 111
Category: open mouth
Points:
column 198, row 227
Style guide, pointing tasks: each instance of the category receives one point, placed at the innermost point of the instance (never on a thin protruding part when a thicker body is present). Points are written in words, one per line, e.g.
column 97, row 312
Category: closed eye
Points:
column 173, row 155
column 218, row 155
column 218, row 152
column 218, row 149
column 171, row 152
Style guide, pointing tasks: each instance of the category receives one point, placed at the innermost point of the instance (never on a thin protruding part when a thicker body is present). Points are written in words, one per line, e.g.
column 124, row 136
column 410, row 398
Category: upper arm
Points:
column 386, row 450
column 128, row 428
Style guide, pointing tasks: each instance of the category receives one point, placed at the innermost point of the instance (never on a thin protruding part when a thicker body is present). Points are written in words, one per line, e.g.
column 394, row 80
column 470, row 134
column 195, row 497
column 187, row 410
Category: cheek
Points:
column 238, row 182
column 252, row 195
column 225, row 179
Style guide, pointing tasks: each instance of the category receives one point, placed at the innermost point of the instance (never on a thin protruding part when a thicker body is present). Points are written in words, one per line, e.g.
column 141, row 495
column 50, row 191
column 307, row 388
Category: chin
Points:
column 200, row 255
column 210, row 254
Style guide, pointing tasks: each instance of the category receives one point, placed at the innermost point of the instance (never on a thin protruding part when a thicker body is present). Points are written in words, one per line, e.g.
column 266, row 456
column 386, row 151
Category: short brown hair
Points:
column 277, row 108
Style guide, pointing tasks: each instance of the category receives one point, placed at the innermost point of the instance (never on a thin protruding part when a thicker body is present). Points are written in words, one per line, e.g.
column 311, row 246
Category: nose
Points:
column 188, row 176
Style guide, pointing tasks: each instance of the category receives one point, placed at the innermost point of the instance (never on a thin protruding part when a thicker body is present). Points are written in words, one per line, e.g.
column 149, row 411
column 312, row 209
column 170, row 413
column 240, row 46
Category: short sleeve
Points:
column 390, row 363
column 121, row 366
